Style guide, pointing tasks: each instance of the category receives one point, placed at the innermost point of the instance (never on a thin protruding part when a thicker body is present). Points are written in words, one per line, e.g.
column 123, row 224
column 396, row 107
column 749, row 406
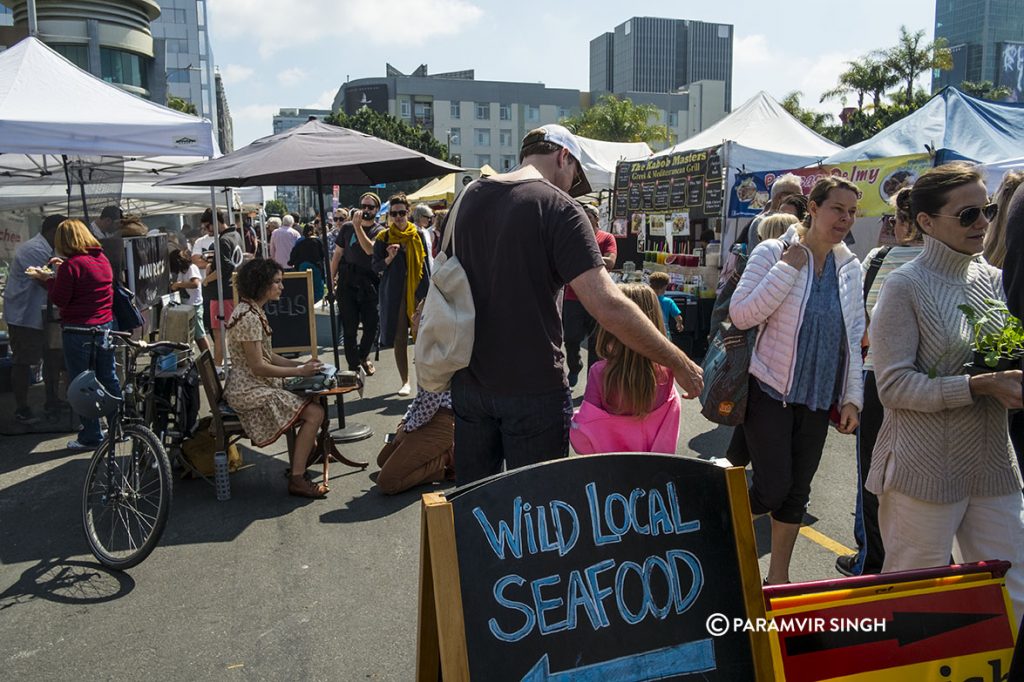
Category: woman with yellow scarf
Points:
column 400, row 255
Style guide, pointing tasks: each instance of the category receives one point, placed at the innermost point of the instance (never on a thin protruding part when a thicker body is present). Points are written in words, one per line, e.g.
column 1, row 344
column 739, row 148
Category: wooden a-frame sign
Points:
column 687, row 552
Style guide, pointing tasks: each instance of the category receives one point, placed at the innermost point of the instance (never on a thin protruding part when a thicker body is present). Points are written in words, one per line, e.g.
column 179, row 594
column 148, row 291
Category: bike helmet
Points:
column 88, row 397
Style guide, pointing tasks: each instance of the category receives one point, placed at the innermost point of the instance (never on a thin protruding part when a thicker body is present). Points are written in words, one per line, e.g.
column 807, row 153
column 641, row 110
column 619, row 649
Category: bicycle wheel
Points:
column 127, row 498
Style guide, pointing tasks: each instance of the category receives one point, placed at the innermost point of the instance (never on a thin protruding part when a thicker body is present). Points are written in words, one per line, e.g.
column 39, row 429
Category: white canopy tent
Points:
column 50, row 106
column 136, row 198
column 758, row 136
column 599, row 159
column 52, row 114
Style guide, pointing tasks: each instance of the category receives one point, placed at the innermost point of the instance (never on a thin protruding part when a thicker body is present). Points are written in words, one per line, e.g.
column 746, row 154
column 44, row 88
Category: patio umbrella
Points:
column 315, row 154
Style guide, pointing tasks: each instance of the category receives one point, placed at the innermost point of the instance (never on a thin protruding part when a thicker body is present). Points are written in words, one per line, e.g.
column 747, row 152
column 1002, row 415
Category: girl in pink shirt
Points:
column 630, row 404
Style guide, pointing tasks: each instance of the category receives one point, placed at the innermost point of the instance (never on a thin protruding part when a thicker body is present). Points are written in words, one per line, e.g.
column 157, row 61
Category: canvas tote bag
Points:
column 444, row 343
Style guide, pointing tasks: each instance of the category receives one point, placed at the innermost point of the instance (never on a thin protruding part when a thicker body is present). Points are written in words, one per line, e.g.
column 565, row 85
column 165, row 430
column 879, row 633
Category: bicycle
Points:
column 126, row 498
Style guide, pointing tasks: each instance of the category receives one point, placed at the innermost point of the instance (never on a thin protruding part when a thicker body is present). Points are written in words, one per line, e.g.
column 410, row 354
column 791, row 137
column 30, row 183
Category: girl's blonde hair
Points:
column 776, row 225
column 630, row 380
column 73, row 237
column 995, row 237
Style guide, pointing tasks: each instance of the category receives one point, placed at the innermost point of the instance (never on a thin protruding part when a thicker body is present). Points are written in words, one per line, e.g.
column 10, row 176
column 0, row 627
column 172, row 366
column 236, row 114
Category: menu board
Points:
column 691, row 180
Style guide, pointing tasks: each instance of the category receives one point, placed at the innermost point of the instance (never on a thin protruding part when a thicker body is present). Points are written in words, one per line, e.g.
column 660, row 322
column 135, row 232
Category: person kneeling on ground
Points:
column 255, row 386
column 422, row 449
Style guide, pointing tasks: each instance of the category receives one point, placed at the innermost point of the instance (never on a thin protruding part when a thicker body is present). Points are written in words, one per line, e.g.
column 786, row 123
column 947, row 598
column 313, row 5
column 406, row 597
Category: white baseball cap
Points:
column 561, row 136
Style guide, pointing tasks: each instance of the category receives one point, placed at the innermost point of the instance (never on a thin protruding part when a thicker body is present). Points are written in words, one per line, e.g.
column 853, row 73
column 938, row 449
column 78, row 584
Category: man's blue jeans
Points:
column 492, row 428
column 79, row 353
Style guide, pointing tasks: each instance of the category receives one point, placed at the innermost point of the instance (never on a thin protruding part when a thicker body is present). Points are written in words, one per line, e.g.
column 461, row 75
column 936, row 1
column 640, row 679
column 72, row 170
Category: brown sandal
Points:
column 299, row 486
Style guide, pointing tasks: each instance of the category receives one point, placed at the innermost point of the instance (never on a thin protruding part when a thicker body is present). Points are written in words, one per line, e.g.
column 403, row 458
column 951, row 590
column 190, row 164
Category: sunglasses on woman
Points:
column 969, row 216
column 399, row 213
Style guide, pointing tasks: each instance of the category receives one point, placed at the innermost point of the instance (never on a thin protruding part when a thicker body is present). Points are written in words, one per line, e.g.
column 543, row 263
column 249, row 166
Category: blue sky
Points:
column 297, row 53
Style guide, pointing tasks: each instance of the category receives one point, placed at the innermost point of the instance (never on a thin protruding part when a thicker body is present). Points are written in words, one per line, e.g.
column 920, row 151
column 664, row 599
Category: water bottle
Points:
column 628, row 268
column 221, row 482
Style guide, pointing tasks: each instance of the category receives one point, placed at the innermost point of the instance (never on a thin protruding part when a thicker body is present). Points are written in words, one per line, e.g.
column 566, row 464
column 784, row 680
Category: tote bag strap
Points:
column 449, row 227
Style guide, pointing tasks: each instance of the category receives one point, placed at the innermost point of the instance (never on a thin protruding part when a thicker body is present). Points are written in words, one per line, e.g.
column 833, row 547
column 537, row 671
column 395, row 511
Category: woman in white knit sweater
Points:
column 942, row 466
column 804, row 290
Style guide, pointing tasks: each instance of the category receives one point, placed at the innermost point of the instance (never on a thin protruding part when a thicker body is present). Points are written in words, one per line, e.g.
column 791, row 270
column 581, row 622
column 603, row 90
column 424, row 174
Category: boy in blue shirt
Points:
column 669, row 309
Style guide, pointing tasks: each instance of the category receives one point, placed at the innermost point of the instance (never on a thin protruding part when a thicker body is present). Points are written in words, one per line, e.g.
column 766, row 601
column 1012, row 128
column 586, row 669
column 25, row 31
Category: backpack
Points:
column 126, row 314
column 727, row 363
column 447, row 328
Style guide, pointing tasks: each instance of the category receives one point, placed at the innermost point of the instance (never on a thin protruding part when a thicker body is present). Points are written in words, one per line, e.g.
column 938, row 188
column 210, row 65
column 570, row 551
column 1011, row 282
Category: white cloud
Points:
column 291, row 76
column 274, row 28
column 324, row 101
column 234, row 74
column 760, row 64
column 263, row 113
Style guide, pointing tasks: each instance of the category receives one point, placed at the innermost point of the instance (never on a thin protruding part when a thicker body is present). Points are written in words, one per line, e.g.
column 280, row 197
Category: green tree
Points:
column 389, row 128
column 985, row 90
column 617, row 120
column 179, row 104
column 911, row 57
column 275, row 207
column 816, row 121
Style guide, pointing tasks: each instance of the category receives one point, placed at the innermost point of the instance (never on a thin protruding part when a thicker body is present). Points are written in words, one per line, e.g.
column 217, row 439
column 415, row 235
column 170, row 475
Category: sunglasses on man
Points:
column 969, row 215
column 398, row 213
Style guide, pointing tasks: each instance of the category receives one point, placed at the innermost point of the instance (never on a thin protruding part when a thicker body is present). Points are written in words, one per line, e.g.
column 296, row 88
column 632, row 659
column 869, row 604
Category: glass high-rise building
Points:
column 184, row 57
column 979, row 33
column 656, row 55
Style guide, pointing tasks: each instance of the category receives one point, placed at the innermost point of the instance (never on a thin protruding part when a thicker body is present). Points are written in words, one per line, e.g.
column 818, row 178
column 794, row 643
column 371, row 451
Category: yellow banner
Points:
column 878, row 179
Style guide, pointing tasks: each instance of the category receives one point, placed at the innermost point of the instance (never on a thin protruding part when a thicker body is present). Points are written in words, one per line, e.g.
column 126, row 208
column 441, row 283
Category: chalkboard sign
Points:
column 647, row 195
column 592, row 568
column 149, row 273
column 691, row 180
column 661, row 193
column 678, row 193
column 292, row 317
column 695, row 191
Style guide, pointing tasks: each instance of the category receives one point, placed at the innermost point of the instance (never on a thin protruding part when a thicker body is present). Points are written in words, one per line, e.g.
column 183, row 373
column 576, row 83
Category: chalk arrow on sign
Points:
column 682, row 659
column 905, row 627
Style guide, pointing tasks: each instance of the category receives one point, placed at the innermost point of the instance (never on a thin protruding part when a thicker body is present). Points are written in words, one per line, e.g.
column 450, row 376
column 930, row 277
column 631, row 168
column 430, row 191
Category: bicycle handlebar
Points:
column 127, row 338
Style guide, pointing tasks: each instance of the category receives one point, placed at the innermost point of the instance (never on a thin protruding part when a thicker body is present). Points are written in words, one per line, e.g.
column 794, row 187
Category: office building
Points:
column 986, row 38
column 655, row 55
column 110, row 39
column 483, row 122
column 225, row 126
column 300, row 199
column 150, row 48
column 183, row 58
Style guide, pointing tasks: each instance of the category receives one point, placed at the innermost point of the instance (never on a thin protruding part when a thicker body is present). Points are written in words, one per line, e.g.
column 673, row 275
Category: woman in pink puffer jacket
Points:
column 803, row 291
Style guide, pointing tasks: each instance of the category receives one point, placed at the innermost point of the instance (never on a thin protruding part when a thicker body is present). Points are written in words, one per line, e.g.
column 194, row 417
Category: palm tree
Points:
column 814, row 120
column 852, row 81
column 908, row 59
column 617, row 120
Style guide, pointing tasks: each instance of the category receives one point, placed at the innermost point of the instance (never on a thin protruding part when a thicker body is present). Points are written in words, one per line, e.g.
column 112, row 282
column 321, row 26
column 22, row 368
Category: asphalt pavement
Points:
column 266, row 586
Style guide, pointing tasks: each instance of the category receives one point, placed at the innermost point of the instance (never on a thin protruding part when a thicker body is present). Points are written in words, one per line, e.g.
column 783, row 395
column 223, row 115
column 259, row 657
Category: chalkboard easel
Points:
column 567, row 588
column 292, row 317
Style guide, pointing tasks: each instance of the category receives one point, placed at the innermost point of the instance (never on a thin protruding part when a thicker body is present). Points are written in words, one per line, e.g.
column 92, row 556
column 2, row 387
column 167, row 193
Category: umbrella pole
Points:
column 351, row 432
column 220, row 279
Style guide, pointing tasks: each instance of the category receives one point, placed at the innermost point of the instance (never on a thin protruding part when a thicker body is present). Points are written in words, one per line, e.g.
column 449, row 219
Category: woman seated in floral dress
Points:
column 255, row 386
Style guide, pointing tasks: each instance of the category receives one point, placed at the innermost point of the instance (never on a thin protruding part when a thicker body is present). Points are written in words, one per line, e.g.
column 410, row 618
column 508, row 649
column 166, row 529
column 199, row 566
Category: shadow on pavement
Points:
column 67, row 581
column 372, row 505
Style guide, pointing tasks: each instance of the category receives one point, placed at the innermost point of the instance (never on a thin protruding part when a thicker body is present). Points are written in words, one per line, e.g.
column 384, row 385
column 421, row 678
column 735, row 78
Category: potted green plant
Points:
column 997, row 337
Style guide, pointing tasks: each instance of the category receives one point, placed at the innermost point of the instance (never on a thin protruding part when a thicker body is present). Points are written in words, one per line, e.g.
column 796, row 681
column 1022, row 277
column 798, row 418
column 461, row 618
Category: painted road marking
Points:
column 825, row 541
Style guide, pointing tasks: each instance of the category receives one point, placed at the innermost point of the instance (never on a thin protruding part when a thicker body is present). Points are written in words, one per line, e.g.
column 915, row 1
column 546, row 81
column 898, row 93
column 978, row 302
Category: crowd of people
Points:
column 876, row 348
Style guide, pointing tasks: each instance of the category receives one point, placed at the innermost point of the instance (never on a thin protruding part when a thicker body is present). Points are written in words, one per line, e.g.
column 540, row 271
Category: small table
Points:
column 328, row 449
